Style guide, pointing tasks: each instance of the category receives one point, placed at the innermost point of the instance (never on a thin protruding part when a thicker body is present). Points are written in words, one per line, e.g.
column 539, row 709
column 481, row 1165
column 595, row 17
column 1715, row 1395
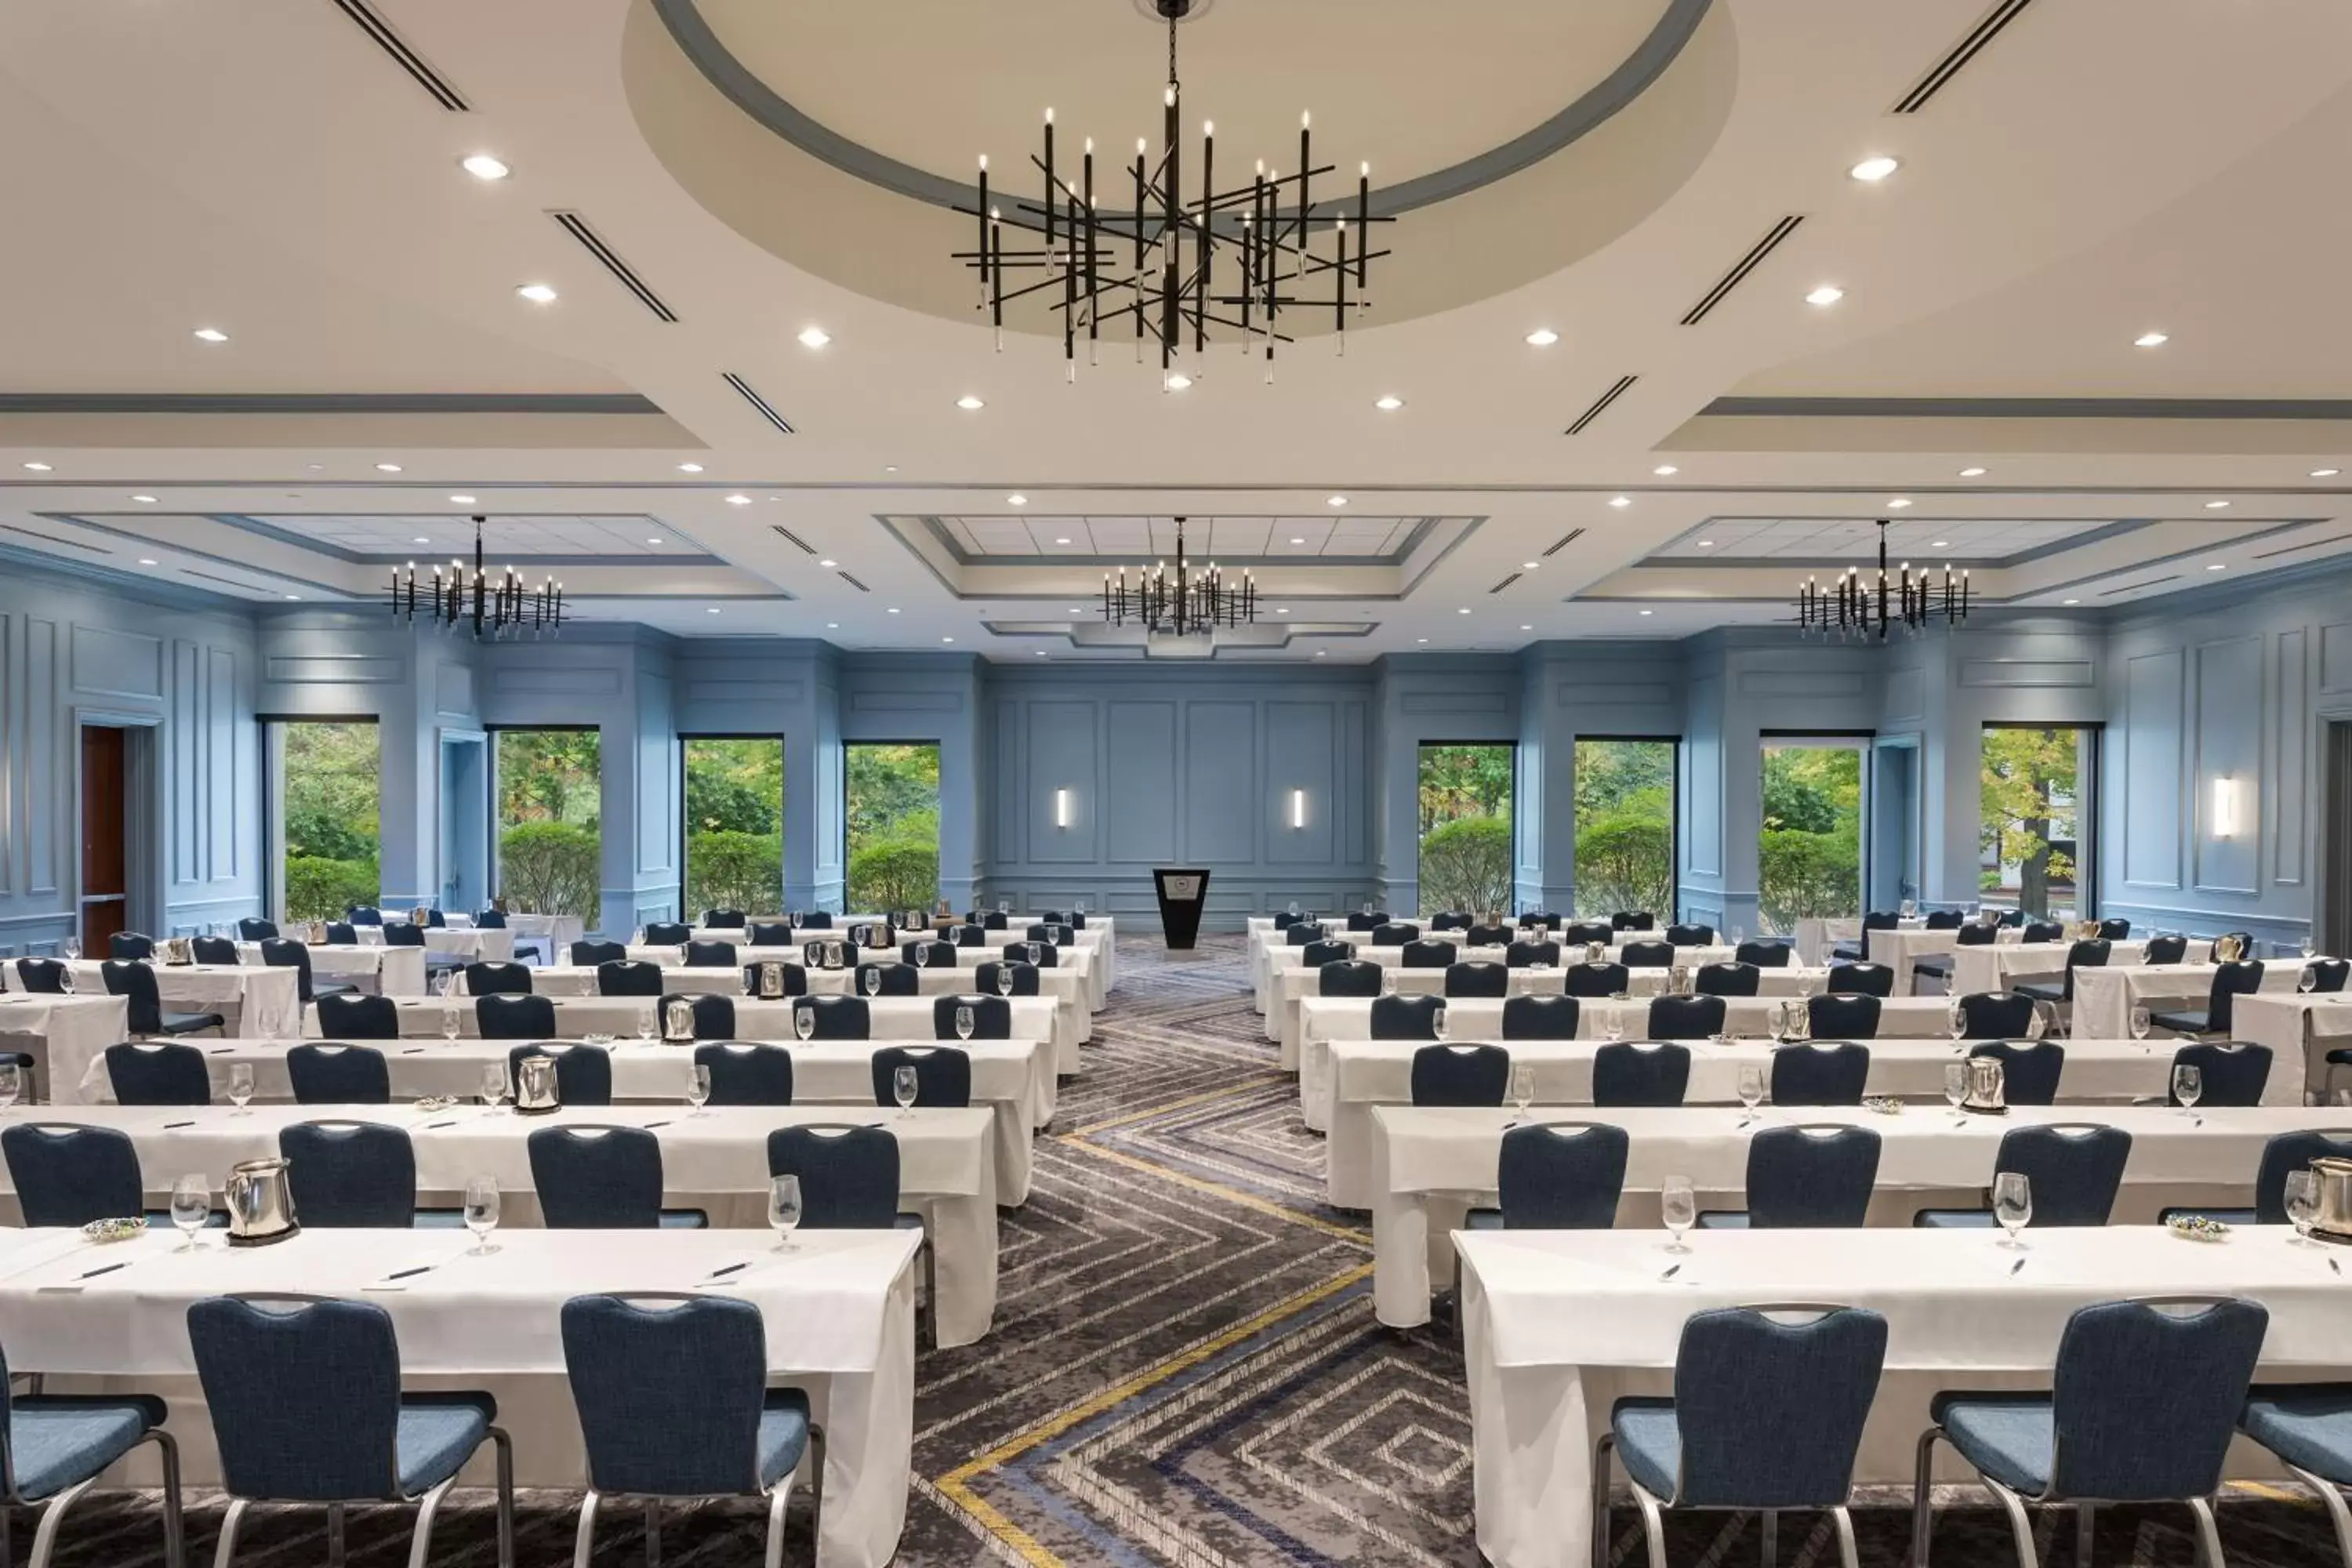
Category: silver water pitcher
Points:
column 2334, row 1221
column 1596, row 953
column 178, row 951
column 536, row 1091
column 260, row 1203
column 1678, row 980
column 1988, row 1082
column 772, row 979
column 678, row 1021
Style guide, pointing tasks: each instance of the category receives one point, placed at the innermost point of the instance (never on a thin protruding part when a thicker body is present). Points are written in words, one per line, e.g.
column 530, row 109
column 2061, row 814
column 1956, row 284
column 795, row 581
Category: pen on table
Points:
column 1671, row 1272
column 107, row 1268
column 738, row 1267
column 168, row 1126
column 651, row 1125
column 409, row 1273
column 2015, row 1267
column 2332, row 1267
column 223, row 1050
column 413, row 1051
column 431, row 1125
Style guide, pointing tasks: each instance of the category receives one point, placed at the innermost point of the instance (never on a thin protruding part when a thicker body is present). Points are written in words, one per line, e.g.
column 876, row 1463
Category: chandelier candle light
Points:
column 1236, row 258
column 1181, row 603
column 500, row 607
column 1854, row 606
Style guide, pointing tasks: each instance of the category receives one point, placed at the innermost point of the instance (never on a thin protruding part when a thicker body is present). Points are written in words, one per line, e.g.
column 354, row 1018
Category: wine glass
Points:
column 2038, row 1025
column 964, row 1021
column 73, row 948
column 450, row 1023
column 698, row 1088
column 906, row 1084
column 1678, row 1207
column 240, row 1086
column 494, row 1085
column 1955, row 1086
column 785, row 1208
column 1004, row 980
column 2301, row 1196
column 1738, row 935
column 646, row 1029
column 1438, row 1023
column 803, row 1022
column 482, row 1213
column 2012, row 1205
column 2187, row 1083
column 192, row 1205
column 12, row 1084
column 1388, row 983
column 1612, row 1024
column 1956, row 1018
column 2140, row 1021
column 1751, row 1092
column 870, row 982
column 1523, row 1091
column 2308, row 981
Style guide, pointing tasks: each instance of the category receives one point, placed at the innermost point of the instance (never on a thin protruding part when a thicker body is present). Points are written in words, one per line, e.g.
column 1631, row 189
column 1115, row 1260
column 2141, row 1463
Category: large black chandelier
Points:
column 1239, row 259
column 500, row 606
column 1857, row 605
column 1186, row 601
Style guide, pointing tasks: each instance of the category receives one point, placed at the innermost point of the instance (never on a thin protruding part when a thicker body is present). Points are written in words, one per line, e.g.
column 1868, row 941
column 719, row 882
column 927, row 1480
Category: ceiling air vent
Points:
column 53, row 538
column 2003, row 13
column 2298, row 549
column 806, row 548
column 1747, row 264
column 1600, row 405
column 593, row 244
column 225, row 581
column 380, row 33
column 2136, row 587
column 1564, row 541
column 1506, row 582
column 751, row 397
column 853, row 582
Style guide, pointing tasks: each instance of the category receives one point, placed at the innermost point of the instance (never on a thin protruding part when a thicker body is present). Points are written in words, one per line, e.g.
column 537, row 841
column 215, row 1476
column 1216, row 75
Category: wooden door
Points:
column 105, row 877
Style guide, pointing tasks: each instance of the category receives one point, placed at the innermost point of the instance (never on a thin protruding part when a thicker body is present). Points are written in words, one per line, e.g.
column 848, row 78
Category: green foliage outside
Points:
column 734, row 814
column 1625, row 827
column 1809, row 854
column 551, row 803
column 891, row 796
column 734, row 871
column 2027, row 782
column 552, row 868
column 330, row 819
column 1464, row 802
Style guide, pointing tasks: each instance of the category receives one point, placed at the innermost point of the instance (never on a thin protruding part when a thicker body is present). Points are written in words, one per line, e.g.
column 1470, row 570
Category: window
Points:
column 325, row 780
column 550, row 789
column 734, row 823
column 1465, row 827
column 1625, row 827
column 1809, row 856
column 891, row 809
column 2035, row 810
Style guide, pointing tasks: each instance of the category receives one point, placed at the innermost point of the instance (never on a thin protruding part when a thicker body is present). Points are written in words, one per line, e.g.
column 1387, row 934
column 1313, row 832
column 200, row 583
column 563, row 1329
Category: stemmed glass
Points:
column 11, row 1085
column 698, row 1088
column 964, row 1021
column 1388, row 983
column 2012, row 1205
column 73, row 948
column 2309, row 980
column 1612, row 1024
column 1004, row 980
column 2187, row 1083
column 784, row 1209
column 1438, row 1023
column 449, row 1023
column 1522, row 1093
column 482, row 1213
column 1955, row 1088
column 192, row 1205
column 1678, row 1207
column 494, row 1085
column 2301, row 1196
column 240, row 1087
column 2039, row 1024
column 906, row 1084
column 646, row 1029
column 803, row 1022
column 1956, row 1018
column 1751, row 1092
column 2140, row 1021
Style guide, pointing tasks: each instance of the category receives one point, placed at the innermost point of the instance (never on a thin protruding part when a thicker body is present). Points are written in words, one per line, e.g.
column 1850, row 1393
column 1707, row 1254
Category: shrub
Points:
column 735, row 871
column 551, row 869
column 1467, row 865
column 1625, row 863
column 896, row 874
column 1808, row 876
column 318, row 888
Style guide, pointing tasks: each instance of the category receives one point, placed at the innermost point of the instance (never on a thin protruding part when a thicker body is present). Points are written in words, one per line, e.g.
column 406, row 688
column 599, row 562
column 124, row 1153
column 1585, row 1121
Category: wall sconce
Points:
column 2225, row 808
column 1298, row 808
column 1061, row 808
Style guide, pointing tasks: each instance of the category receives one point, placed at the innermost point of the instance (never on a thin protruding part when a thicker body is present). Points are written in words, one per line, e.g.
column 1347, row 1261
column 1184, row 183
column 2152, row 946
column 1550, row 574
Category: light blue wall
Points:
column 1566, row 690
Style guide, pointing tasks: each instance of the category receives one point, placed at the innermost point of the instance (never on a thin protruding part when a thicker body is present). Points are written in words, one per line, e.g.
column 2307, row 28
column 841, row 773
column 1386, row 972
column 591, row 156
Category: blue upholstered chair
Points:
column 306, row 1406
column 1539, row 1018
column 1527, row 955
column 628, row 977
column 1644, row 1072
column 402, row 933
column 1460, row 1075
column 776, row 933
column 2090, row 953
column 342, row 933
column 134, row 982
column 849, row 1181
column 2283, row 1153
column 989, row 977
column 1450, row 920
column 2228, row 1074
column 1691, row 934
column 163, row 1074
column 514, row 1018
column 1860, row 980
column 1819, row 1072
column 602, row 1178
column 835, row 1018
column 1477, row 979
column 1583, row 933
column 331, row 1073
column 583, row 1074
column 65, row 1175
column 253, row 928
column 669, row 933
column 218, row 950
column 791, row 978
column 2230, row 981
column 1685, row 1017
column 2073, row 1170
column 991, row 1016
column 1763, row 954
column 1300, row 932
column 1975, row 933
column 2329, row 975
column 2030, row 1069
column 822, row 920
column 2118, row 930
column 1557, row 1176
column 1428, row 954
column 1316, row 955
column 744, row 1073
column 1843, row 1017
column 2142, row 1404
column 2163, row 950
column 1405, row 1017
column 1766, row 1415
column 1368, row 920
column 278, row 952
column 1647, row 955
column 357, row 1175
column 887, row 980
column 41, row 976
column 1995, row 1016
column 674, row 1403
column 710, row 955
column 359, row 1018
column 498, row 979
column 1633, row 920
column 2309, row 1427
column 713, row 1015
column 489, row 920
column 724, row 919
column 942, row 1075
column 1594, row 981
column 130, row 947
column 1858, row 950
column 2043, row 930
column 364, row 915
column 927, row 955
column 594, row 953
column 1728, row 980
column 52, row 1446
column 1396, row 933
column 1038, row 954
column 1348, row 977
column 1810, row 1176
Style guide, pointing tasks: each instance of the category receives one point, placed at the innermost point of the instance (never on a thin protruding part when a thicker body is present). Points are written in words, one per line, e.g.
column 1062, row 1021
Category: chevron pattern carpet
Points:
column 1185, row 1370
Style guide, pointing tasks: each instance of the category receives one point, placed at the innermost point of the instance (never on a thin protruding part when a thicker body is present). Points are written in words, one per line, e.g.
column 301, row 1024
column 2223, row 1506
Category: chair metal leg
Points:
column 1922, row 1504
column 225, row 1553
column 176, row 1524
column 816, row 1488
column 2337, row 1513
column 780, row 1498
column 2208, row 1534
column 502, row 1449
column 45, row 1535
column 1653, row 1527
column 420, row 1548
column 583, row 1541
column 334, row 1535
column 926, row 1326
column 2020, row 1528
column 8, row 1542
column 1770, row 1522
column 1847, row 1557
column 2085, row 1517
column 653, row 1533
column 1601, row 1498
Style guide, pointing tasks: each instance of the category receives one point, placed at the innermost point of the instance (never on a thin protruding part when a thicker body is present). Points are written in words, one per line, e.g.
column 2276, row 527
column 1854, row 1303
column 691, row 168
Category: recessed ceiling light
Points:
column 1872, row 169
column 711, row 611
column 293, row 595
column 689, row 468
column 1706, row 544
column 422, row 538
column 1530, row 565
column 1827, row 294
column 1942, row 544
column 2215, row 505
column 1543, row 337
column 1649, row 612
column 537, row 293
column 482, row 166
column 1972, row 473
column 2069, row 601
column 1421, row 639
column 654, row 541
column 1041, row 653
column 1177, row 381
column 1621, row 502
column 1061, row 540
column 2151, row 340
column 1016, row 498
column 148, row 500
column 211, row 335
column 2316, row 473
column 461, row 500
column 2219, row 567
column 1390, row 403
column 969, row 403
column 828, row 561
column 738, row 500
column 815, row 337
column 1297, row 540
column 146, row 561
column 893, row 610
column 1320, row 652
column 1665, row 469
column 315, row 468
column 947, row 640
column 1462, row 610
column 833, row 625
column 44, row 467
column 387, row 467
column 1897, row 503
column 1336, row 501
column 1527, row 628
column 889, row 467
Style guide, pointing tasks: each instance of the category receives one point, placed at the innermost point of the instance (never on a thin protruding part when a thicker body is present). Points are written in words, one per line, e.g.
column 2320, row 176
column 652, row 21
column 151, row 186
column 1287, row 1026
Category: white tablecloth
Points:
column 1264, row 941
column 839, row 1312
column 258, row 1004
column 1428, row 1160
column 2104, row 998
column 2300, row 1030
column 551, row 934
column 1560, row 1324
column 453, row 942
column 1368, row 1074
column 378, row 970
column 1099, row 939
column 63, row 1034
column 1999, row 966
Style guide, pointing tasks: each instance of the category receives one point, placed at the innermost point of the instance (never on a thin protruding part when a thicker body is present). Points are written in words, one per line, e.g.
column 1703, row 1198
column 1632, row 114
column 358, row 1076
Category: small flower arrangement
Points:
column 2196, row 1227
column 106, row 1230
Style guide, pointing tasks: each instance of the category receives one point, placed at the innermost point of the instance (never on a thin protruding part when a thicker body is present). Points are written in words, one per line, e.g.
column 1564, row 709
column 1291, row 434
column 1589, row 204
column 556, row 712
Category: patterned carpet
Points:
column 1185, row 1370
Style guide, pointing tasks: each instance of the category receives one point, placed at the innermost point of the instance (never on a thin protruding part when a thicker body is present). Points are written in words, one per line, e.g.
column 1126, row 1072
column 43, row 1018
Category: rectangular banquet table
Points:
column 891, row 1018
column 59, row 1032
column 2300, row 1030
column 2104, row 998
column 839, row 1312
column 1366, row 1074
column 1560, row 1324
column 1428, row 1161
column 465, row 943
column 1013, row 1079
column 383, row 971
column 1264, row 941
column 258, row 1004
column 716, row 1162
column 1095, row 939
column 2001, row 965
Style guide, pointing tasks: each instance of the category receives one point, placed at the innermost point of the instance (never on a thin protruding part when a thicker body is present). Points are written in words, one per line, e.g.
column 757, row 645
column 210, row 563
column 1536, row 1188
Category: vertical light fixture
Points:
column 1298, row 808
column 2225, row 807
column 1061, row 808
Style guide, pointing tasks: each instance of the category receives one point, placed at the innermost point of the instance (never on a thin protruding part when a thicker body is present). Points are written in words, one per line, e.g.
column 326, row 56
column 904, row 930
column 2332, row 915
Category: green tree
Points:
column 1809, row 853
column 551, row 869
column 891, row 795
column 1625, row 826
column 2027, row 792
column 550, row 775
column 1464, row 781
column 1466, row 863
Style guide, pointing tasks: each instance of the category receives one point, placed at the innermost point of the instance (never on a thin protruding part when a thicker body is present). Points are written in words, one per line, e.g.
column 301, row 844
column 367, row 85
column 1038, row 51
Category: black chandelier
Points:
column 1182, row 603
column 503, row 606
column 1237, row 260
column 1855, row 605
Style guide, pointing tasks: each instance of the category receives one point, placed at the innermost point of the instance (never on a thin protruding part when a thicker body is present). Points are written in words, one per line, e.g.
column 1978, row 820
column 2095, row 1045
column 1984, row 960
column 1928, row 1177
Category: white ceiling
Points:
column 1854, row 540
column 410, row 536
column 1205, row 538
